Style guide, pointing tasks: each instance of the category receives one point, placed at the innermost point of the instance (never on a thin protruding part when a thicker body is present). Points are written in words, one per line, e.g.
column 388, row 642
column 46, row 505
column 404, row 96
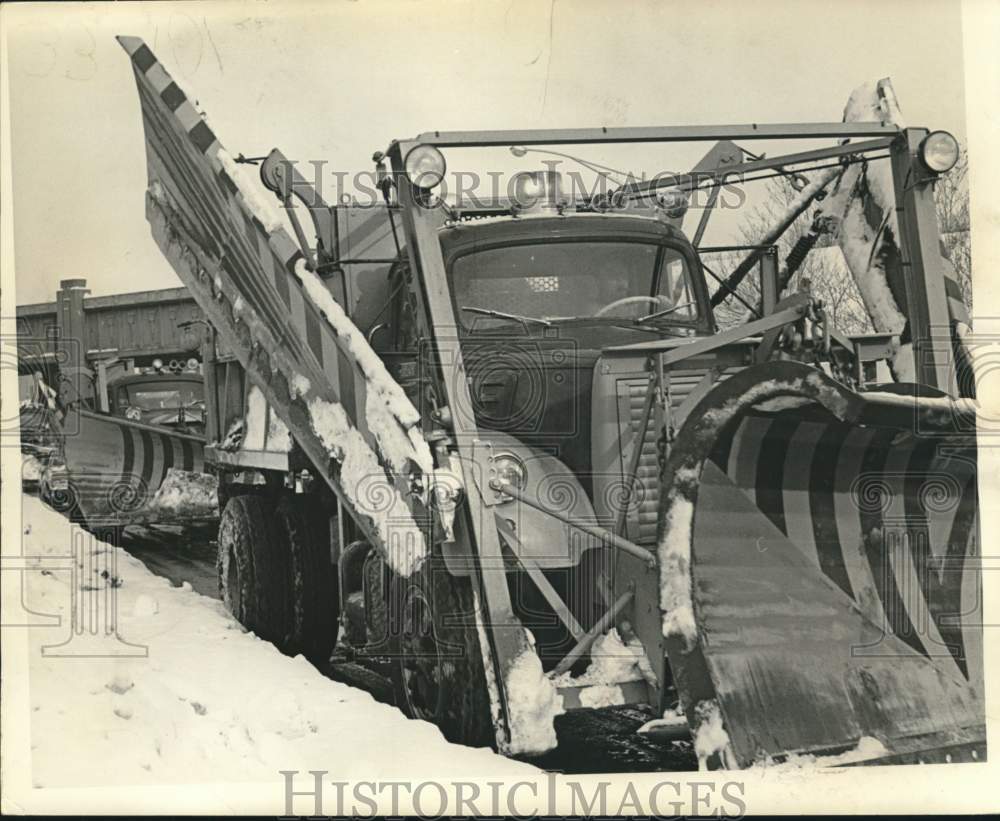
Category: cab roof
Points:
column 525, row 228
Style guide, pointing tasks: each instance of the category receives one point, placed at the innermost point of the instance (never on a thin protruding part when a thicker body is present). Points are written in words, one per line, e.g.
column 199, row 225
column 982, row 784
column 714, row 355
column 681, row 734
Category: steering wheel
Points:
column 628, row 300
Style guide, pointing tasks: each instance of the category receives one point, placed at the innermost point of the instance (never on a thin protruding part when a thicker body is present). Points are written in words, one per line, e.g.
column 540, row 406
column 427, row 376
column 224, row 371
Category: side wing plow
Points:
column 229, row 246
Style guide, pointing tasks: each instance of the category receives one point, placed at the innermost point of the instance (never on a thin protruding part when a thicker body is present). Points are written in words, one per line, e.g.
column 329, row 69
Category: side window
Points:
column 675, row 287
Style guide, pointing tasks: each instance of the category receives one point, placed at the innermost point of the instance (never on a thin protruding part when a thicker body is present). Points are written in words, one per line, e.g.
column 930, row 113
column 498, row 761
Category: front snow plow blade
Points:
column 121, row 472
column 819, row 572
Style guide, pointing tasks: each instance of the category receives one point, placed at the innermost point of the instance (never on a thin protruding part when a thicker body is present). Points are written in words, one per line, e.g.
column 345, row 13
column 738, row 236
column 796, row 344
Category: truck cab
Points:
column 538, row 298
column 171, row 400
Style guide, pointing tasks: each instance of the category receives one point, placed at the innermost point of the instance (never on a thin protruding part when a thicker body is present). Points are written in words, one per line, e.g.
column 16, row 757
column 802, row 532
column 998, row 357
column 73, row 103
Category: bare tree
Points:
column 824, row 270
column 951, row 196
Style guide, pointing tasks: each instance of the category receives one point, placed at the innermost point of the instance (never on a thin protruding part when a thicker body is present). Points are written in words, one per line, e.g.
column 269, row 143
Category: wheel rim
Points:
column 420, row 661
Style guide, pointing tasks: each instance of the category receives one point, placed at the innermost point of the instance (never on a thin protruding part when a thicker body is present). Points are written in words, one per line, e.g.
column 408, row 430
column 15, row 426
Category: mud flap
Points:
column 819, row 571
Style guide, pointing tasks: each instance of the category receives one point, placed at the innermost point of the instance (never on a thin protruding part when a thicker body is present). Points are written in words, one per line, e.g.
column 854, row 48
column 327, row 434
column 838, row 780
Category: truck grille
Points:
column 644, row 509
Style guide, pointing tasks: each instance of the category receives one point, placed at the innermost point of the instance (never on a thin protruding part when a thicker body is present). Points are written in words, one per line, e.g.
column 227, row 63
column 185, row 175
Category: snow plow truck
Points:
column 504, row 450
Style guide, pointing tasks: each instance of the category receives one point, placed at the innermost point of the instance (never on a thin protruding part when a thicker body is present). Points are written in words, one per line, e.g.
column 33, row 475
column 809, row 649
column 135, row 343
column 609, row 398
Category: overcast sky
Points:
column 337, row 81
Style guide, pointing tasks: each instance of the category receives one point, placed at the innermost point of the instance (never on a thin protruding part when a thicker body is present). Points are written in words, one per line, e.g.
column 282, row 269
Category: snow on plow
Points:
column 820, row 582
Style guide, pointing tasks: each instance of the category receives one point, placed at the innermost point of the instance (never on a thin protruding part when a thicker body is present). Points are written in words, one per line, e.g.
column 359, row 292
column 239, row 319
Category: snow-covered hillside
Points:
column 208, row 702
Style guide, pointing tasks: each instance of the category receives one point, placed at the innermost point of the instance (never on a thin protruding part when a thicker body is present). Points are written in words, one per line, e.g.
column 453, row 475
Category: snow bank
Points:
column 364, row 482
column 533, row 704
column 207, row 702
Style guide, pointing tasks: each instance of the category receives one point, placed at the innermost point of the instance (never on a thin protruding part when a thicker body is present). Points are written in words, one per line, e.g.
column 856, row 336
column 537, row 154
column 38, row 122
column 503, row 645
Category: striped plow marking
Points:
column 186, row 159
column 832, row 568
column 117, row 467
column 887, row 517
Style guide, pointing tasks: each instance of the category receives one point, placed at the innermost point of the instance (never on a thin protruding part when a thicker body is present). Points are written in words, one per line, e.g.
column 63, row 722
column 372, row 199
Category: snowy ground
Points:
column 203, row 701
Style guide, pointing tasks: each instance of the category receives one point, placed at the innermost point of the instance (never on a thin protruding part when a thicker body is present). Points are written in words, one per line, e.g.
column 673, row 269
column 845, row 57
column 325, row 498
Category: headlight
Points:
column 424, row 166
column 157, row 363
column 511, row 471
column 939, row 151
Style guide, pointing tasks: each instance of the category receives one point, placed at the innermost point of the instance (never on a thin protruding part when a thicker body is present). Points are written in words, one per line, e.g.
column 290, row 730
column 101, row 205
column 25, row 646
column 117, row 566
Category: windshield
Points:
column 161, row 395
column 555, row 281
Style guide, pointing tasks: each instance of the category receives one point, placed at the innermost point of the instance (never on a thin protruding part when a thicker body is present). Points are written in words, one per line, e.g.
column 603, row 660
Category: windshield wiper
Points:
column 648, row 317
column 501, row 315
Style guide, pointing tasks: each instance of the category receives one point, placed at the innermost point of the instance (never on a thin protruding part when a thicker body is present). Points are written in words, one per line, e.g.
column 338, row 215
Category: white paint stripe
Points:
column 744, row 454
column 795, row 488
column 187, row 116
column 898, row 533
column 848, row 468
column 915, row 601
column 158, row 77
column 956, row 472
column 155, row 455
column 972, row 611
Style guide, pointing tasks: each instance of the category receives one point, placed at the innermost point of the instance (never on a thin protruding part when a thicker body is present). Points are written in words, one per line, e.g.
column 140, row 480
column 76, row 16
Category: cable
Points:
column 723, row 283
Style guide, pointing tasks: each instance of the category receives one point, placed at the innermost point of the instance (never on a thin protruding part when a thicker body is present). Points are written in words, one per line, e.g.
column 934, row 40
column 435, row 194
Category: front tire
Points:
column 437, row 672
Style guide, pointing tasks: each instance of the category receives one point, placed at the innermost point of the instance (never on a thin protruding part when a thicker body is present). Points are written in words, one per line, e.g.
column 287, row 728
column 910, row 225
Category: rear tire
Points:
column 437, row 672
column 311, row 627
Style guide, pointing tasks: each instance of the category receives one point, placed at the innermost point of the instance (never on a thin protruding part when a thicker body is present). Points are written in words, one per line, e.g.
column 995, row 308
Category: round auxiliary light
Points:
column 673, row 202
column 424, row 166
column 157, row 364
column 511, row 470
column 939, row 151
